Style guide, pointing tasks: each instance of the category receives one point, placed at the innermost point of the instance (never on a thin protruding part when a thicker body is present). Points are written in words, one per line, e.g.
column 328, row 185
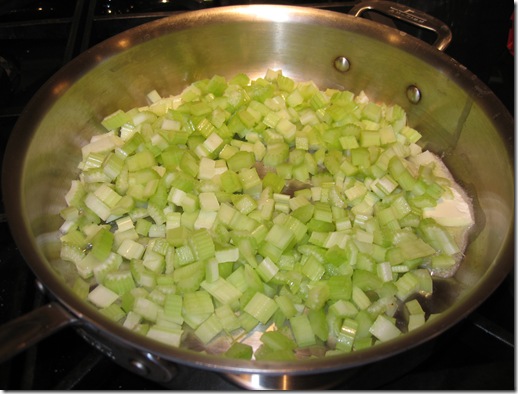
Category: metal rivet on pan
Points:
column 413, row 94
column 40, row 286
column 342, row 64
column 139, row 367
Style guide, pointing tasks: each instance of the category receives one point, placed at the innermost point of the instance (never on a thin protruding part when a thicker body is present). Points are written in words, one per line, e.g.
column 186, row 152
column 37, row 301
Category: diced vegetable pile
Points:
column 242, row 204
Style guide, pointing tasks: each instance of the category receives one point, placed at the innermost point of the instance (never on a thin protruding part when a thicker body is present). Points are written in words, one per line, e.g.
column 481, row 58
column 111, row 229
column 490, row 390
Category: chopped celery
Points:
column 102, row 297
column 169, row 336
column 119, row 281
column 318, row 322
column 207, row 330
column 384, row 329
column 81, row 288
column 277, row 341
column 222, row 290
column 302, row 330
column 261, row 307
column 113, row 312
column 240, row 203
column 240, row 351
column 266, row 353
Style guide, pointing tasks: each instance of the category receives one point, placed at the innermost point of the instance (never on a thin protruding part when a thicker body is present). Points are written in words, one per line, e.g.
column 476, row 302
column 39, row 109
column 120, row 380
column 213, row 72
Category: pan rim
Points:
column 93, row 320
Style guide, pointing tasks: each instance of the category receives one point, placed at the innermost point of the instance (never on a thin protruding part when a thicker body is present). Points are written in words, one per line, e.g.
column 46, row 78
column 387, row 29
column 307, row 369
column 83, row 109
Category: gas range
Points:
column 38, row 37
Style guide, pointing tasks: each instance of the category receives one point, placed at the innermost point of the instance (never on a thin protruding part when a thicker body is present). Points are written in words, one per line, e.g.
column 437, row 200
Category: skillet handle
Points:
column 25, row 331
column 409, row 15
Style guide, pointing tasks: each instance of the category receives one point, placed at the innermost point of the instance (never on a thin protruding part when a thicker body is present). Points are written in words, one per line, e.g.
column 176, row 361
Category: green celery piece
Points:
column 178, row 236
column 340, row 287
column 271, row 251
column 173, row 307
column 81, row 288
column 286, row 305
column 113, row 312
column 318, row 295
column 183, row 181
column 364, row 320
column 146, row 308
column 247, row 321
column 171, row 156
column 366, row 280
column 168, row 335
column 267, row 269
column 265, row 353
column 222, row 290
column 143, row 277
column 197, row 303
column 239, row 279
column 225, row 269
column 120, row 282
column 342, row 308
column 74, row 238
column 360, row 158
column 189, row 163
column 384, row 329
column 236, row 126
column 75, row 195
column 115, row 120
column 127, row 301
column 320, row 225
column 240, row 351
column 347, row 335
column 250, row 180
column 336, row 255
column 184, row 255
column 131, row 145
column 442, row 261
column 284, row 170
column 372, row 112
column 407, row 285
column 275, row 340
column 318, row 322
column 302, row 331
column 261, row 307
column 362, row 343
column 313, row 269
column 240, row 160
column 244, row 203
column 304, row 213
column 369, row 138
column 438, row 237
column 217, row 85
column 297, row 227
column 140, row 160
column 110, row 264
column 280, row 236
column 239, row 79
column 424, row 278
column 260, row 91
column 274, row 181
column 285, row 83
column 189, row 277
column 228, row 318
column 415, row 249
column 202, row 244
column 230, row 182
column 208, row 329
column 276, row 154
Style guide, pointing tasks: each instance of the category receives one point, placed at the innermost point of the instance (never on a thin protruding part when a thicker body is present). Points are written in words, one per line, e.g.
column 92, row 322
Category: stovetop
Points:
column 37, row 37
